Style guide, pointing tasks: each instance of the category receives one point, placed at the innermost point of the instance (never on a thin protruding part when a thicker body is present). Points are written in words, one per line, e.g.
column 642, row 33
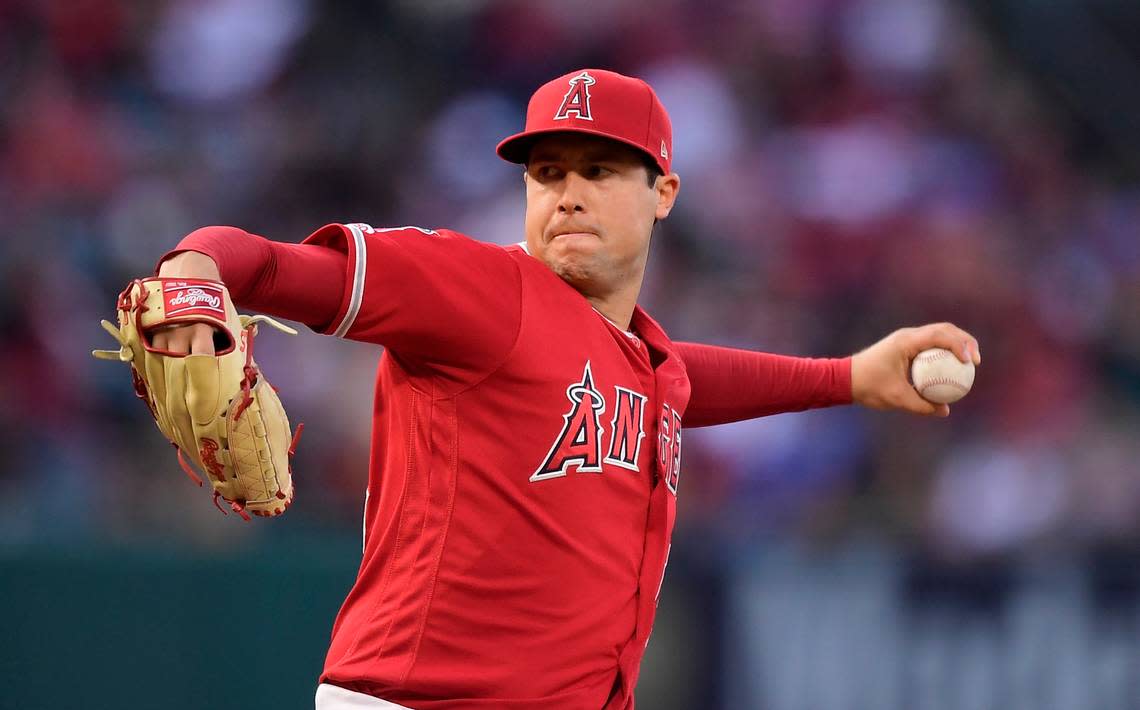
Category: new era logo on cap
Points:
column 599, row 103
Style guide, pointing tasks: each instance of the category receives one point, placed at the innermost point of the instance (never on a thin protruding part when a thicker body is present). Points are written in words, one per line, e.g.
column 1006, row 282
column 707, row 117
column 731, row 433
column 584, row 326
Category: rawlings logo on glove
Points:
column 182, row 297
column 218, row 410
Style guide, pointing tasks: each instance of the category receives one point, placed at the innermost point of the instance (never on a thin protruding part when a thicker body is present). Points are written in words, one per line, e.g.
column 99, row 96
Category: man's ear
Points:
column 667, row 187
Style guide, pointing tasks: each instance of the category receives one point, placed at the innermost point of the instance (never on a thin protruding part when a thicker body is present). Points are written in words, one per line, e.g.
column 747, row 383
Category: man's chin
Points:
column 574, row 272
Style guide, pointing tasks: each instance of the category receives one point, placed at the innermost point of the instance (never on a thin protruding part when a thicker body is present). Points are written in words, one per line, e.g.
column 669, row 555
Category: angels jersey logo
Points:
column 577, row 99
column 579, row 443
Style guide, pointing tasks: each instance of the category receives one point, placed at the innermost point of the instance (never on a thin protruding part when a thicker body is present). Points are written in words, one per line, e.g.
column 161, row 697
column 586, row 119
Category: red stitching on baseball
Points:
column 931, row 356
column 944, row 381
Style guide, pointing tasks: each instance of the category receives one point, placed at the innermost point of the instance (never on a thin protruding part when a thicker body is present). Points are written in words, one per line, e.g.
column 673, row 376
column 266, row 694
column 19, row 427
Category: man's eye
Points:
column 597, row 171
column 548, row 172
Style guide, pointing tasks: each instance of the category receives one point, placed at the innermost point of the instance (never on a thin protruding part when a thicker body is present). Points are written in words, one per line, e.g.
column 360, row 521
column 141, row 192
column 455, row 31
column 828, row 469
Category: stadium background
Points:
column 849, row 166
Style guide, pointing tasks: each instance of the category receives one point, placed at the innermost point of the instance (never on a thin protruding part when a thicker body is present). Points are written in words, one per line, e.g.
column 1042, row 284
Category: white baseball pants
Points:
column 332, row 697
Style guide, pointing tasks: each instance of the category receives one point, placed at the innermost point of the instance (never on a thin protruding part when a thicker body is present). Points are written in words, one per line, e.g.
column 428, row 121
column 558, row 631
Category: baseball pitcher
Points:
column 529, row 416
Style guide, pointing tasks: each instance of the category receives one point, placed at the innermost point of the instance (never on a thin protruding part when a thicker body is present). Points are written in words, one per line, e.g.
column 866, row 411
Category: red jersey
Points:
column 525, row 460
column 522, row 484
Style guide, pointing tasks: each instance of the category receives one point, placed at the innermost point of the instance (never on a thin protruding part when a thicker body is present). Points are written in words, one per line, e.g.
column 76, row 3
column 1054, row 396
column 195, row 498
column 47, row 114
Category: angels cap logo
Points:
column 577, row 99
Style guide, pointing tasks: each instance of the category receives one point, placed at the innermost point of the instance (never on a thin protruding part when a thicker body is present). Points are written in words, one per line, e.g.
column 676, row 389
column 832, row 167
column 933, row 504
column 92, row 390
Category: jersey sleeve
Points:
column 730, row 385
column 431, row 297
column 296, row 281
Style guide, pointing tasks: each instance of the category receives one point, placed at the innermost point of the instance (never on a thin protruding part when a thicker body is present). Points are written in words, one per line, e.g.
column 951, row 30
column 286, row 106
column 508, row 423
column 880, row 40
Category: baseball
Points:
column 940, row 377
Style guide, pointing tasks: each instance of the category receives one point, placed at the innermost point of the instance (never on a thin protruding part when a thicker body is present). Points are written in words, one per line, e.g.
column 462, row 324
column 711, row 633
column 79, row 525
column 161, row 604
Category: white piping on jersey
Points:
column 358, row 272
column 364, row 525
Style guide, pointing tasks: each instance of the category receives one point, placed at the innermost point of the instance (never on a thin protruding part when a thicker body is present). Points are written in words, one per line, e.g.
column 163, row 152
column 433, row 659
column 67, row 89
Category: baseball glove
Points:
column 218, row 410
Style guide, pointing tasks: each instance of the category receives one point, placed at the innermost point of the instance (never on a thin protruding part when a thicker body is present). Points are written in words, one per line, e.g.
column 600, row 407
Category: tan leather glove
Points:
column 218, row 410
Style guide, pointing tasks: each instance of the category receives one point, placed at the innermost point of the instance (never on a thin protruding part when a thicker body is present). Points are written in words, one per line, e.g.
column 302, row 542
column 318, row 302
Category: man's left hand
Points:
column 880, row 375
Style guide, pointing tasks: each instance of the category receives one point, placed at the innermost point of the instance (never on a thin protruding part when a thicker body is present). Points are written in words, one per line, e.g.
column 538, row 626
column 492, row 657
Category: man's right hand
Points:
column 192, row 338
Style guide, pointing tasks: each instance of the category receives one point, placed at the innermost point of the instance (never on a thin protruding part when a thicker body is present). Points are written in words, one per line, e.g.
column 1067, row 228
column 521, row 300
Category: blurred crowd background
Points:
column 848, row 167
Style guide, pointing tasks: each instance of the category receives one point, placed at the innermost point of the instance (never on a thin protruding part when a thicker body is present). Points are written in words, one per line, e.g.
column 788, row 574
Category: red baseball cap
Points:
column 599, row 103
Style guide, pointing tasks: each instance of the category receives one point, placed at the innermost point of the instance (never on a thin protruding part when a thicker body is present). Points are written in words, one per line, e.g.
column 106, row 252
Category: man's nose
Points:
column 573, row 193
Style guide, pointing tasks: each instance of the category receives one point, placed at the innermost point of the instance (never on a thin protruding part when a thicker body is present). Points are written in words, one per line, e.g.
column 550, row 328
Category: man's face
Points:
column 590, row 210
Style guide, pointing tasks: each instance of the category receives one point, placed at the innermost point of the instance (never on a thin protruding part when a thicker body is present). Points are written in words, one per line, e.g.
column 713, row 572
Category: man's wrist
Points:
column 190, row 265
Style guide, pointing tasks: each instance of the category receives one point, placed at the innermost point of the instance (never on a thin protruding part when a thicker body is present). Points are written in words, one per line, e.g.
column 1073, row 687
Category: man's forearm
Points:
column 730, row 385
column 295, row 281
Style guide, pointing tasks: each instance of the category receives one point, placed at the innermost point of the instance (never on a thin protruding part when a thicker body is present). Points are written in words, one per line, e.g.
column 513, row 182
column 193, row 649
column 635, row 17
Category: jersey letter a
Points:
column 577, row 99
column 580, row 441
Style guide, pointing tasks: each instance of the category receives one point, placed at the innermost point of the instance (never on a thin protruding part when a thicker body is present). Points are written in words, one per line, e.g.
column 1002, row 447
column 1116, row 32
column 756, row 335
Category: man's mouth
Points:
column 571, row 235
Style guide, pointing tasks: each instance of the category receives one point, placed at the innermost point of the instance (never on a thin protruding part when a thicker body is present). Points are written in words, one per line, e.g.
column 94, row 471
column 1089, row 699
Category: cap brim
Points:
column 516, row 148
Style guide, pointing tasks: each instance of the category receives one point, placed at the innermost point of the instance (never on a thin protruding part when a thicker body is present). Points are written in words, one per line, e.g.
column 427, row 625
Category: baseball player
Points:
column 529, row 416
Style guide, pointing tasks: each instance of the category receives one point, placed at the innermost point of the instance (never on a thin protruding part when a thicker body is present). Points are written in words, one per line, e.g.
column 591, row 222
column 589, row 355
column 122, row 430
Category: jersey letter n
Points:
column 627, row 429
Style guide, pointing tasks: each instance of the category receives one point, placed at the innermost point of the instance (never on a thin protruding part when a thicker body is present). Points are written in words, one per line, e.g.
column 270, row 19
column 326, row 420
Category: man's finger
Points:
column 202, row 339
column 967, row 348
column 954, row 339
column 913, row 402
column 949, row 337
